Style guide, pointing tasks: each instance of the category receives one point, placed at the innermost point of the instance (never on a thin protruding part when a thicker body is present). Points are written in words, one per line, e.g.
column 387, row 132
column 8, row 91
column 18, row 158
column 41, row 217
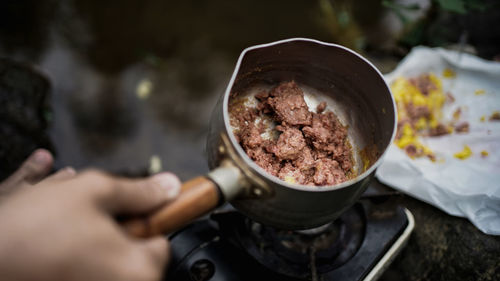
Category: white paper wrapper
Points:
column 467, row 188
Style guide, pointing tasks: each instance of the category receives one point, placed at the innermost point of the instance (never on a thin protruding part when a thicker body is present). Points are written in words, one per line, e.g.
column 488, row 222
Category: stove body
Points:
column 229, row 246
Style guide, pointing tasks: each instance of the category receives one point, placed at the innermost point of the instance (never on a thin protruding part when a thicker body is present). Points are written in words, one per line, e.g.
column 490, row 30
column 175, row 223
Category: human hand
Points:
column 34, row 169
column 63, row 227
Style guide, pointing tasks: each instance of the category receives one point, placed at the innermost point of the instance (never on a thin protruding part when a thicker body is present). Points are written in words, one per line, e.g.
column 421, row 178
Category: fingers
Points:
column 130, row 196
column 146, row 260
column 36, row 167
column 31, row 171
column 157, row 249
column 62, row 174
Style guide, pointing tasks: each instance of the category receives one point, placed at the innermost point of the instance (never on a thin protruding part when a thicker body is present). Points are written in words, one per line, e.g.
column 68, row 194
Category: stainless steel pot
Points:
column 362, row 100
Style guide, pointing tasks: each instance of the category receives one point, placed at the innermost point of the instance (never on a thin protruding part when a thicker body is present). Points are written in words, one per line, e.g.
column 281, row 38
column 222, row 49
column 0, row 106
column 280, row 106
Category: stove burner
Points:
column 228, row 246
column 297, row 253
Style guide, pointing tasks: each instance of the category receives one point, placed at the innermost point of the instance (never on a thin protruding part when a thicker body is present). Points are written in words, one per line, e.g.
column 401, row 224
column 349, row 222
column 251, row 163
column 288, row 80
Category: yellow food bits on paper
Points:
column 406, row 93
column 449, row 73
column 479, row 92
column 464, row 154
column 421, row 124
column 457, row 113
column 484, row 153
column 407, row 138
column 482, row 119
column 419, row 102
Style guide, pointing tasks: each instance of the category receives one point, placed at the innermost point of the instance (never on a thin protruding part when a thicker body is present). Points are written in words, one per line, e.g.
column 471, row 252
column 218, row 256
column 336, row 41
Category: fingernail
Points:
column 41, row 157
column 69, row 170
column 170, row 182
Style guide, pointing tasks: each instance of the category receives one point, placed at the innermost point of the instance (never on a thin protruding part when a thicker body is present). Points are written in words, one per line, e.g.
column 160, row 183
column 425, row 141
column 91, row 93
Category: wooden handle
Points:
column 198, row 196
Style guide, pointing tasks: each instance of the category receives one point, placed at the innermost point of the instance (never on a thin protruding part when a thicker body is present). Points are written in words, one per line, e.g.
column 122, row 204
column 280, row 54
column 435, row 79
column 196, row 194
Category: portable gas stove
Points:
column 359, row 245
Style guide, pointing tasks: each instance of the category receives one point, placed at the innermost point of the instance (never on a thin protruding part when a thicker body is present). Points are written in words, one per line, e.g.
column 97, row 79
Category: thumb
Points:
column 133, row 196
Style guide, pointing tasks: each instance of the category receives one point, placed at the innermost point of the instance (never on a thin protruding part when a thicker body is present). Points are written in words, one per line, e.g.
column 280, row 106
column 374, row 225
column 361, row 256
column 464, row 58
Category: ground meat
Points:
column 290, row 143
column 326, row 133
column 262, row 95
column 321, row 107
column 495, row 116
column 291, row 173
column 462, row 127
column 250, row 137
column 328, row 172
column 265, row 160
column 311, row 149
column 440, row 130
column 287, row 101
column 411, row 150
column 416, row 112
column 423, row 83
column 305, row 160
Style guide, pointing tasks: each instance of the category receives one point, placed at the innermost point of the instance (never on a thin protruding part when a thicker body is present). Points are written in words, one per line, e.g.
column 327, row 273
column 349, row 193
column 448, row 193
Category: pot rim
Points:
column 272, row 178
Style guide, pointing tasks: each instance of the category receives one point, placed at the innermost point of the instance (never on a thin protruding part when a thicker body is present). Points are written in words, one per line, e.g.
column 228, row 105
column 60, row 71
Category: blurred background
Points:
column 128, row 86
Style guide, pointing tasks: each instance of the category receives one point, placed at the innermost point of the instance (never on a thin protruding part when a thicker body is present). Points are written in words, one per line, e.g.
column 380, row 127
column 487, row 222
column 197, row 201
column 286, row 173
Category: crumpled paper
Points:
column 466, row 188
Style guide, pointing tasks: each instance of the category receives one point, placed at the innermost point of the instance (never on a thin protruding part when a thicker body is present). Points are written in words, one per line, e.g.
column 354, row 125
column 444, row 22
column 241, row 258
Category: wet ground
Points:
column 134, row 79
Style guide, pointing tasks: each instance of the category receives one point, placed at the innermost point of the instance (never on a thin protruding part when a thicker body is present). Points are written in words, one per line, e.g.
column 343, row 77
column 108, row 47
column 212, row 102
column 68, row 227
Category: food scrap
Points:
column 482, row 118
column 484, row 153
column 462, row 127
column 464, row 154
column 457, row 113
column 495, row 116
column 305, row 147
column 479, row 92
column 449, row 73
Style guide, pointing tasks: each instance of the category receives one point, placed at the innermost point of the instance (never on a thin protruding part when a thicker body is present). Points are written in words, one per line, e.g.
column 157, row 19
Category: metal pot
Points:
column 362, row 100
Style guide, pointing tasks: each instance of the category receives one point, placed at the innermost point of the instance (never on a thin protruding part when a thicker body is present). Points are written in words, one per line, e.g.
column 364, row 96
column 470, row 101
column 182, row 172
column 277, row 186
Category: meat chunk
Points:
column 462, row 127
column 287, row 101
column 265, row 160
column 440, row 130
column 328, row 172
column 290, row 143
column 250, row 137
column 305, row 160
column 326, row 132
column 424, row 84
column 495, row 116
column 416, row 112
column 321, row 107
column 292, row 174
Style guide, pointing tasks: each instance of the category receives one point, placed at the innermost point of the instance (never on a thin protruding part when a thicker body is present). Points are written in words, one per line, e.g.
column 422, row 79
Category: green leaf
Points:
column 456, row 6
column 415, row 35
